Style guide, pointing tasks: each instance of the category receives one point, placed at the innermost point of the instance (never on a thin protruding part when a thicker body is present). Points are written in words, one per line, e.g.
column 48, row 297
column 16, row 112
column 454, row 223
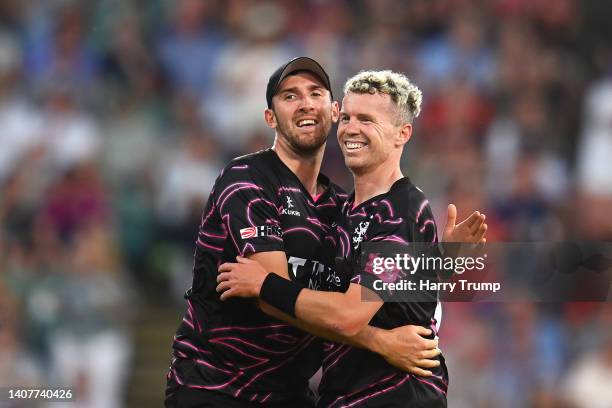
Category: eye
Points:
column 289, row 97
column 344, row 118
column 317, row 93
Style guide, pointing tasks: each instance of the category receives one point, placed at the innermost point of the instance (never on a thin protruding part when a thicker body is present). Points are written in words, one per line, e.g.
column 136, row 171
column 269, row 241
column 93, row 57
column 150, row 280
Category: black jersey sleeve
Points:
column 248, row 209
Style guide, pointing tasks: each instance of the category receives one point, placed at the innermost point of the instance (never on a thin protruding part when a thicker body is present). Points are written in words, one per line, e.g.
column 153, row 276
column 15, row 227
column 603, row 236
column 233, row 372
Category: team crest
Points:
column 359, row 232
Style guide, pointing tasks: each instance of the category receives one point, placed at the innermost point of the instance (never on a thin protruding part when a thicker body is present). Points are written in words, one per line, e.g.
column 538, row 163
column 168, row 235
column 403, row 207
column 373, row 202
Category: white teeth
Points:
column 306, row 122
column 354, row 145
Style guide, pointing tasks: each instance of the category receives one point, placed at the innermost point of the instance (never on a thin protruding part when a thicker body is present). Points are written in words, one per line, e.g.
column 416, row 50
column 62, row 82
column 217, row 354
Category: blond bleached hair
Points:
column 406, row 96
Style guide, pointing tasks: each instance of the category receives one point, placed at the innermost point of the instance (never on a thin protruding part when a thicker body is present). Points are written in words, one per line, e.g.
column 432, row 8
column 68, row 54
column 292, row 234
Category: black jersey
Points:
column 257, row 205
column 354, row 377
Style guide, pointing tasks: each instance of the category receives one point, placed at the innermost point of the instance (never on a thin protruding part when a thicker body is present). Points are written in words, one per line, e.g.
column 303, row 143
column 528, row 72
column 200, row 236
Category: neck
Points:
column 305, row 166
column 372, row 183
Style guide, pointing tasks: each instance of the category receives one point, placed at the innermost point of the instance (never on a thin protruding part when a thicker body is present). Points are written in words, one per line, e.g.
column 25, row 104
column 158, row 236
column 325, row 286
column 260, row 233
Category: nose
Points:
column 306, row 104
column 350, row 127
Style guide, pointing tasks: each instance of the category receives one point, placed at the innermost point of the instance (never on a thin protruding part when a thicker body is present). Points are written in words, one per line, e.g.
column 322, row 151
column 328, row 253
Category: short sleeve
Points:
column 248, row 210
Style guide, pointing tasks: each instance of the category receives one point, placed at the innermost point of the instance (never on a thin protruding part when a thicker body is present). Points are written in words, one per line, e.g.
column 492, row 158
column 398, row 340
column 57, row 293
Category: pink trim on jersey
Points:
column 361, row 213
column 318, row 223
column 259, row 360
column 433, row 327
column 378, row 392
column 316, row 197
column 208, row 234
column 191, row 346
column 283, row 338
column 285, row 188
column 421, row 208
column 426, row 223
column 330, row 203
column 201, row 243
column 189, row 323
column 248, row 212
column 247, row 328
column 395, row 221
column 327, row 346
column 430, row 384
column 207, row 364
column 325, row 369
column 176, row 377
column 291, row 357
column 441, row 379
column 239, row 186
column 315, row 236
column 389, row 207
column 215, row 387
column 333, row 240
column 191, row 311
column 245, row 249
column 229, row 230
column 390, row 238
column 345, row 248
column 205, row 218
column 370, row 395
column 333, row 353
column 246, row 343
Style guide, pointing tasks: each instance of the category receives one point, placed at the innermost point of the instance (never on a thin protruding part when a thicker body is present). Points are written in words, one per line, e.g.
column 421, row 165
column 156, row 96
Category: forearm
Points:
column 343, row 313
column 325, row 310
column 368, row 337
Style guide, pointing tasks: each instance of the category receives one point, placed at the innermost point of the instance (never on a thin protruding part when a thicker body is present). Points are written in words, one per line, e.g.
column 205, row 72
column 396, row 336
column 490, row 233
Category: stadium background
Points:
column 116, row 116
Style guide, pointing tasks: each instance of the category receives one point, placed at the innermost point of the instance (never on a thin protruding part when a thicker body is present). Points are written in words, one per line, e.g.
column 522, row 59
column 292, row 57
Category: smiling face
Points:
column 370, row 132
column 302, row 113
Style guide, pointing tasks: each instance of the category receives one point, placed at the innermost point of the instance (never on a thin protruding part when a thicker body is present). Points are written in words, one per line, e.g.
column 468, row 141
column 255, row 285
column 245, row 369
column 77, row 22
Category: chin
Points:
column 310, row 145
column 314, row 142
column 355, row 166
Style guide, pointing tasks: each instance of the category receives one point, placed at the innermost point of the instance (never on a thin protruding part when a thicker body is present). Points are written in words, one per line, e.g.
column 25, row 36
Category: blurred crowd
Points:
column 117, row 115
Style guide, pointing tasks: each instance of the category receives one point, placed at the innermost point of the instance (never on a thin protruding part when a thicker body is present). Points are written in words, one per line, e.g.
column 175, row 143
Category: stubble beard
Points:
column 304, row 145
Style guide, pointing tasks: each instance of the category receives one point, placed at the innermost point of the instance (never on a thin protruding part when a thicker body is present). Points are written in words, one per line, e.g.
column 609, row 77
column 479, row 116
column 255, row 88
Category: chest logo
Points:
column 288, row 209
column 359, row 232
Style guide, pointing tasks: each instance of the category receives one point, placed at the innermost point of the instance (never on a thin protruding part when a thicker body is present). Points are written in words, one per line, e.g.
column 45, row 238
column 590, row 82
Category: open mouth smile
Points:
column 354, row 146
column 304, row 123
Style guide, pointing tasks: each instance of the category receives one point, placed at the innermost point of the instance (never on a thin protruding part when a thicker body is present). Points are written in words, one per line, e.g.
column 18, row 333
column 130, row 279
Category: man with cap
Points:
column 274, row 207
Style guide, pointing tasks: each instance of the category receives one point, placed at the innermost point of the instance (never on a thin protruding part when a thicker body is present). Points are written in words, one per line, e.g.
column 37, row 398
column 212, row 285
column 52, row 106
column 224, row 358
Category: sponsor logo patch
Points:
column 261, row 231
column 247, row 233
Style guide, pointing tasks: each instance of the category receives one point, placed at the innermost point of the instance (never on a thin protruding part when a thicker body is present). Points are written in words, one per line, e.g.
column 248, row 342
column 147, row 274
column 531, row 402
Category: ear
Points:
column 270, row 118
column 404, row 134
column 335, row 111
